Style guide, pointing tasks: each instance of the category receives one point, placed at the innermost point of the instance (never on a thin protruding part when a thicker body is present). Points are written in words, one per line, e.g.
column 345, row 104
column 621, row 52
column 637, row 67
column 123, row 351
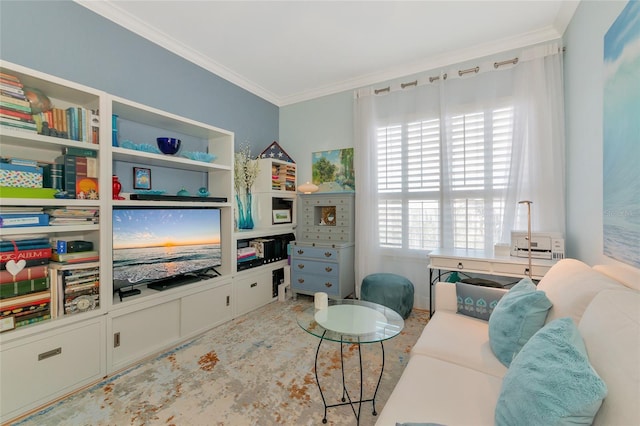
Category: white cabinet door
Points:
column 253, row 290
column 47, row 366
column 204, row 310
column 144, row 332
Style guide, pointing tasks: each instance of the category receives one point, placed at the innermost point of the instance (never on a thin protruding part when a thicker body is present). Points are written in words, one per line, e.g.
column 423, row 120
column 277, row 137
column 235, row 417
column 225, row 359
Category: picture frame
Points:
column 141, row 178
column 281, row 216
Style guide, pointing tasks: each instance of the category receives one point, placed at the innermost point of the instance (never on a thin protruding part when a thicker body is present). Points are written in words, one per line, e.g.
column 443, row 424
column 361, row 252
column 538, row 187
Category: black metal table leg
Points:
column 324, row 418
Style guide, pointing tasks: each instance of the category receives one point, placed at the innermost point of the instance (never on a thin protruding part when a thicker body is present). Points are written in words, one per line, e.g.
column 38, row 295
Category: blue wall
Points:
column 64, row 39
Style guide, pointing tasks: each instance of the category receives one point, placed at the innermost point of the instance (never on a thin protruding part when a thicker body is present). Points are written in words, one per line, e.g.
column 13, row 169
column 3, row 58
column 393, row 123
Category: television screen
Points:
column 152, row 244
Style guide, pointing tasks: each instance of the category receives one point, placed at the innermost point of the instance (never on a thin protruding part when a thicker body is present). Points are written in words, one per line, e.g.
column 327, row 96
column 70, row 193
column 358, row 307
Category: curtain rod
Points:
column 475, row 69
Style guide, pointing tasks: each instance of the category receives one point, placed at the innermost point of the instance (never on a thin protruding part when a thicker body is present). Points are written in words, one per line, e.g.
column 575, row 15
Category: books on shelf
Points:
column 15, row 109
column 23, row 310
column 74, row 288
column 20, row 273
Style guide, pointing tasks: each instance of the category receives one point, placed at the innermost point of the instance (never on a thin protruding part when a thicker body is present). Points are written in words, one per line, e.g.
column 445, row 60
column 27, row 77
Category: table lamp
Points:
column 307, row 188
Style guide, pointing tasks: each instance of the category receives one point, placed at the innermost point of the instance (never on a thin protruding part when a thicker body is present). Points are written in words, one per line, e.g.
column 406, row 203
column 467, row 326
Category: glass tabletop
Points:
column 354, row 321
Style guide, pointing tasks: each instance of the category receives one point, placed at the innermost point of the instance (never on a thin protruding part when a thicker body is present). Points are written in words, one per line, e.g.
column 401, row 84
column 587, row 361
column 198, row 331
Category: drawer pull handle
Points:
column 300, row 251
column 49, row 354
column 300, row 280
column 253, row 285
column 328, row 285
column 328, row 269
column 460, row 265
column 327, row 254
column 300, row 265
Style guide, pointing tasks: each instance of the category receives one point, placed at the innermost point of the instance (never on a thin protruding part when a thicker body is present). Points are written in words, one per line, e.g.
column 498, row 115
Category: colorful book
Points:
column 18, row 114
column 43, row 253
column 15, row 273
column 15, row 305
column 27, row 263
column 80, row 152
column 14, row 100
column 76, row 257
column 17, row 220
column 25, row 244
column 21, row 288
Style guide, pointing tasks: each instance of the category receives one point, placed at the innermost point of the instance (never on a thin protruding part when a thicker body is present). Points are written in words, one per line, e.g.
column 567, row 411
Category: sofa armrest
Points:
column 445, row 297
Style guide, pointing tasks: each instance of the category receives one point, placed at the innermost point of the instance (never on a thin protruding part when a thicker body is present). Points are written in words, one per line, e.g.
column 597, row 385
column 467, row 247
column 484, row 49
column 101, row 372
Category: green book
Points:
column 80, row 152
column 21, row 288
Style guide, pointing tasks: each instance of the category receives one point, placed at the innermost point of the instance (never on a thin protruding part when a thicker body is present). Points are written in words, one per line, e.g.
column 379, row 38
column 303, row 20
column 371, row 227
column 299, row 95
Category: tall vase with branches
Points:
column 245, row 173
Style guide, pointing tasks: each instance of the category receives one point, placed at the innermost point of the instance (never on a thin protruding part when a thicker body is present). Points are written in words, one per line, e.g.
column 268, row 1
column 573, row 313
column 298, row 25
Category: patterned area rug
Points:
column 255, row 370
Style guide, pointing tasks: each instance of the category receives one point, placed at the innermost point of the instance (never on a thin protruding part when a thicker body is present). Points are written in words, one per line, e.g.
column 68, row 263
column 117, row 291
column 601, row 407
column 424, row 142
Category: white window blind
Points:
column 412, row 195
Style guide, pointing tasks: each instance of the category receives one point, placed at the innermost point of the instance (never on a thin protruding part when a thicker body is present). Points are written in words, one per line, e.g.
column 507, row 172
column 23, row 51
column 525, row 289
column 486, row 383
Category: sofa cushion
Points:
column 550, row 381
column 517, row 317
column 477, row 301
column 610, row 328
column 571, row 285
column 436, row 391
column 460, row 340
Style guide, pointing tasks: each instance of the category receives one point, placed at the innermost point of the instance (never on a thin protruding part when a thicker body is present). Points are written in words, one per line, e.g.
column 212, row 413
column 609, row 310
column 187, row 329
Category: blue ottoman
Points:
column 390, row 290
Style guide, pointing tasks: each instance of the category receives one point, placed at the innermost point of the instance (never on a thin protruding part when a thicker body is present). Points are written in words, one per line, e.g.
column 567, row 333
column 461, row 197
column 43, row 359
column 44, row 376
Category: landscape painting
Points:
column 621, row 137
column 333, row 171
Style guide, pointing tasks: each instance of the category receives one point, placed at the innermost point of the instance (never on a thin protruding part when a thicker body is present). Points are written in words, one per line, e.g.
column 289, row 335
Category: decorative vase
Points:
column 114, row 130
column 245, row 218
column 116, row 187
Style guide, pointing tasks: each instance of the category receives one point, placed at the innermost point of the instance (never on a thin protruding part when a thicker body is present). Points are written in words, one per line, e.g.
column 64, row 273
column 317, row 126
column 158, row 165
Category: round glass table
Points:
column 351, row 322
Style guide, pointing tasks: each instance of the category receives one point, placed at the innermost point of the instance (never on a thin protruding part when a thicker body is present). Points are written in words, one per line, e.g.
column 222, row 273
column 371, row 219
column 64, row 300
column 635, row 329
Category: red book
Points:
column 11, row 82
column 18, row 114
column 24, row 274
column 41, row 253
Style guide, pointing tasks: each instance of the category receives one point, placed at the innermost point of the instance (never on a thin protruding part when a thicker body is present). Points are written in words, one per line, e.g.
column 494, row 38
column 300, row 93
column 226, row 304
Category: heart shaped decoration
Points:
column 14, row 267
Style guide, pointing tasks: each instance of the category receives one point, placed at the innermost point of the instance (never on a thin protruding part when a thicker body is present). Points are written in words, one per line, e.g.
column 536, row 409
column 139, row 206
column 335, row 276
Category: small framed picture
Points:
column 141, row 178
column 281, row 216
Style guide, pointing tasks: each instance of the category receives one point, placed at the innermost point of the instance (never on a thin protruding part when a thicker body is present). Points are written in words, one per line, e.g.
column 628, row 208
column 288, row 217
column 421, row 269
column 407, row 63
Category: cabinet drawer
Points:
column 40, row 370
column 459, row 264
column 253, row 291
column 309, row 283
column 315, row 252
column 325, row 269
column 519, row 269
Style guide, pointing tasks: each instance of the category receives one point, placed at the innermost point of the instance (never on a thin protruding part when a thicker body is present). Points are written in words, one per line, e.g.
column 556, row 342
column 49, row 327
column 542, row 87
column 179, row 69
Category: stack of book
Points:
column 25, row 295
column 246, row 254
column 283, row 177
column 75, row 257
column 80, row 172
column 75, row 288
column 15, row 109
column 73, row 215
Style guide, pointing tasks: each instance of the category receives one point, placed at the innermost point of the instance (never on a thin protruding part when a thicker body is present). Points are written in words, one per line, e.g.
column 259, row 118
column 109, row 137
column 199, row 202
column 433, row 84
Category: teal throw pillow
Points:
column 517, row 317
column 551, row 381
column 477, row 301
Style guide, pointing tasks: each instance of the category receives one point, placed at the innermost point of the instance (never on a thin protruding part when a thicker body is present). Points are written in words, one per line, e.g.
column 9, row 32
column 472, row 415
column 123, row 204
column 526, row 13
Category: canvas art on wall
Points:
column 333, row 171
column 621, row 137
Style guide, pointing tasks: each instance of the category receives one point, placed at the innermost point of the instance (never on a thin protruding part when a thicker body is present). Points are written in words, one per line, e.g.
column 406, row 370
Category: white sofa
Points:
column 453, row 377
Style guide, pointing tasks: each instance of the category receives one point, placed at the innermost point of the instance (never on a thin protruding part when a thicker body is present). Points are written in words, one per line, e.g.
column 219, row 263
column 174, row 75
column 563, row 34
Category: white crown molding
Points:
column 109, row 10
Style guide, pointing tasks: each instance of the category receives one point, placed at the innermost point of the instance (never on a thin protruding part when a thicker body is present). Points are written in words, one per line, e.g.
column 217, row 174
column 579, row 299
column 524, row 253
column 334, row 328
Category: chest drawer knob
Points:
column 300, row 251
column 300, row 280
column 327, row 254
column 328, row 269
column 328, row 285
column 460, row 265
column 300, row 265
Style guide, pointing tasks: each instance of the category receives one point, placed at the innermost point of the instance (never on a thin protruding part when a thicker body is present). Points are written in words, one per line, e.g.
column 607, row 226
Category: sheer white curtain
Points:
column 444, row 162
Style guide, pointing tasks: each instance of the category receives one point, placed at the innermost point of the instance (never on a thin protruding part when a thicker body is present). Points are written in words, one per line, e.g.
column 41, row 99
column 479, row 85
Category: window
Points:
column 436, row 191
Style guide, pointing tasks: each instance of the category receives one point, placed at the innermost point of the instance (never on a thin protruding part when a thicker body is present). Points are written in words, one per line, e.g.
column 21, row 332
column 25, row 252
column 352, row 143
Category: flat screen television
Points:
column 164, row 246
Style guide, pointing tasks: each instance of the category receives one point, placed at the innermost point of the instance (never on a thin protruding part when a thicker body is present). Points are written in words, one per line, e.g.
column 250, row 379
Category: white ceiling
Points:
column 290, row 51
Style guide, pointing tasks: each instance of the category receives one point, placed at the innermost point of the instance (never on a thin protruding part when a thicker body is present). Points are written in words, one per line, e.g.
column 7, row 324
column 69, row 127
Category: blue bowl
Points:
column 168, row 145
